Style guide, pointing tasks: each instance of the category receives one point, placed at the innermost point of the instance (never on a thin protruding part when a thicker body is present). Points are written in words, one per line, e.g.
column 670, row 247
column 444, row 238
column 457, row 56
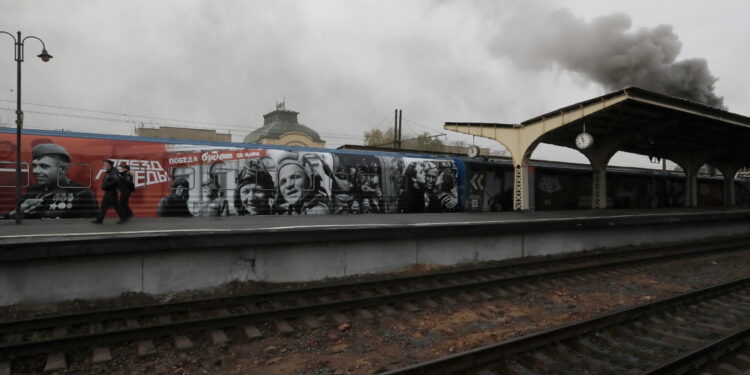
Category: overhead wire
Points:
column 459, row 142
column 433, row 135
column 431, row 132
column 420, row 125
column 215, row 126
column 129, row 121
column 377, row 126
column 123, row 114
column 135, row 119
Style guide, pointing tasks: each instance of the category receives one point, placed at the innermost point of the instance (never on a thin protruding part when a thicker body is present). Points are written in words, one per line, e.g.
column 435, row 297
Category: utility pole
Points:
column 400, row 126
column 395, row 129
column 19, row 49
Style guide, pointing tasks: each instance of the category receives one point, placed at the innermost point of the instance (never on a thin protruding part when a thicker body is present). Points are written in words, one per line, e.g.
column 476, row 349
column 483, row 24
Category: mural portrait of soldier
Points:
column 254, row 191
column 54, row 195
column 299, row 189
column 7, row 151
column 175, row 204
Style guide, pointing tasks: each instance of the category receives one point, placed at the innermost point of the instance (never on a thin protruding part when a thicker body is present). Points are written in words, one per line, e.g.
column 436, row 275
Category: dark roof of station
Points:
column 279, row 122
column 648, row 123
column 636, row 92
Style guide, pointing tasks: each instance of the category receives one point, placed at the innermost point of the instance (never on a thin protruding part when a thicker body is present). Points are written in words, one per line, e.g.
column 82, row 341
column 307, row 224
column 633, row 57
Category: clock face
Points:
column 584, row 141
column 473, row 151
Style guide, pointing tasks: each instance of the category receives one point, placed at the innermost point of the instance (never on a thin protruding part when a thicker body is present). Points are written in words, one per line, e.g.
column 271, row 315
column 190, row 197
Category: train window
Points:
column 314, row 159
column 8, row 174
column 219, row 175
column 80, row 173
column 222, row 174
column 184, row 175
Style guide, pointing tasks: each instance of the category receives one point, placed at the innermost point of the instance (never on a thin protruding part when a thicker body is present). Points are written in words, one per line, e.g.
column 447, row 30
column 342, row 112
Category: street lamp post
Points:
column 19, row 114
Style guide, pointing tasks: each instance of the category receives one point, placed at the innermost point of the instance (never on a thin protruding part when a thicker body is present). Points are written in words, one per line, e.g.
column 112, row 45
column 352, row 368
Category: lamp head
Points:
column 44, row 55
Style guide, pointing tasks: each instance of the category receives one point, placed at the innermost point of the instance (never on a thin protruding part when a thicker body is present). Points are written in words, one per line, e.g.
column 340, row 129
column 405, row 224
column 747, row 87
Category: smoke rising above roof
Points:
column 606, row 51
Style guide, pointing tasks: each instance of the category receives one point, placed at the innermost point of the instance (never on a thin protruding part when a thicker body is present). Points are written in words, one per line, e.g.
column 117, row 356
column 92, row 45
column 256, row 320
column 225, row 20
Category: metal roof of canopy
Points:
column 631, row 120
column 641, row 122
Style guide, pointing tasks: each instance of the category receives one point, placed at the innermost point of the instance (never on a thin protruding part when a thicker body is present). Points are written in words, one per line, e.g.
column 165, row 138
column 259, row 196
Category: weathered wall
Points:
column 46, row 279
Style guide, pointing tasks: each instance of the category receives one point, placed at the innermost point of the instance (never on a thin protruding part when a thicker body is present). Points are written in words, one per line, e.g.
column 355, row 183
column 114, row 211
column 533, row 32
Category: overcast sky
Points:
column 345, row 65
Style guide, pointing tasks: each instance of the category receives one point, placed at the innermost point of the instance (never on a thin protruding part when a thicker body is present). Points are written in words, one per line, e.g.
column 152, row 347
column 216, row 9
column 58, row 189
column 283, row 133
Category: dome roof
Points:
column 279, row 122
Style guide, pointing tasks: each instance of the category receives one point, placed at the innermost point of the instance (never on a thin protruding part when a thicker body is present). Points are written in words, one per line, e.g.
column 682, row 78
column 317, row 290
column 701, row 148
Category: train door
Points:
column 489, row 187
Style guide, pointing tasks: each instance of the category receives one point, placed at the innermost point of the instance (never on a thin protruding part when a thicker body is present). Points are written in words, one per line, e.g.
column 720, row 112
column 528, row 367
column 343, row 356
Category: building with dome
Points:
column 281, row 127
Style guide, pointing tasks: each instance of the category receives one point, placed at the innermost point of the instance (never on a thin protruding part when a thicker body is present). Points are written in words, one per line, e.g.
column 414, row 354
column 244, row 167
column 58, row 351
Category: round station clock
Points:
column 584, row 140
column 473, row 151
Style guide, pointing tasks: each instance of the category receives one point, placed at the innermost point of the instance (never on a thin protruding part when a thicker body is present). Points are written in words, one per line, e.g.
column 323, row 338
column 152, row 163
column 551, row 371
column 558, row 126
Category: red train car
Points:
column 62, row 176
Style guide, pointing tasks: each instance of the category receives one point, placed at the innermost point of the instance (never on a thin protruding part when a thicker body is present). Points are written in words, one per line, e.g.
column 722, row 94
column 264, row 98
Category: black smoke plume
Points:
column 606, row 51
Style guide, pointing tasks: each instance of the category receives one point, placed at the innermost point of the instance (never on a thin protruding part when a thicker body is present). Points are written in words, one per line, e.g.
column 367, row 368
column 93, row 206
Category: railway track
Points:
column 677, row 335
column 310, row 307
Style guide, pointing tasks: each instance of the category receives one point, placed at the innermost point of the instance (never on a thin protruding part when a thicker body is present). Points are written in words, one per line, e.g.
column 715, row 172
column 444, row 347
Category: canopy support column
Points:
column 521, row 154
column 520, row 142
column 599, row 158
column 690, row 164
column 599, row 188
column 729, row 171
column 521, row 187
column 729, row 197
column 691, row 187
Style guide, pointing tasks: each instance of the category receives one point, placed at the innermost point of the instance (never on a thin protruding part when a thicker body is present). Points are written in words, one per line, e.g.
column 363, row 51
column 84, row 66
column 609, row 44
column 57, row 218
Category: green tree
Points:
column 422, row 142
column 379, row 138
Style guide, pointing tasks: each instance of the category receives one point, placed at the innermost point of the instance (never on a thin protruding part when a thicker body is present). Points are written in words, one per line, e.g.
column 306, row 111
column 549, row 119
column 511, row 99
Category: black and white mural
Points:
column 299, row 182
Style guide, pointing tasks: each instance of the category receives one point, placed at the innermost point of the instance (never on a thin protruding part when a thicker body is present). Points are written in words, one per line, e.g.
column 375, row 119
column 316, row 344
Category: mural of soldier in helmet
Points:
column 254, row 190
column 300, row 188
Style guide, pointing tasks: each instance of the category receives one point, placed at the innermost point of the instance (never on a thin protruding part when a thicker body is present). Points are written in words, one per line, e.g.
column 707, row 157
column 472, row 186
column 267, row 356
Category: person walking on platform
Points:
column 125, row 187
column 109, row 185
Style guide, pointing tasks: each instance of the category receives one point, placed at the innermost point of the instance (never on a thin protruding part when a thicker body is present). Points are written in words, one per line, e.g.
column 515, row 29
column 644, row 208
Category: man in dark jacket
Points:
column 175, row 204
column 125, row 187
column 109, row 185
column 412, row 199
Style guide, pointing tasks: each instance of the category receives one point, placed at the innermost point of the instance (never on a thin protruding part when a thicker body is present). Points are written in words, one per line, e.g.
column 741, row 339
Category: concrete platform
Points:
column 54, row 260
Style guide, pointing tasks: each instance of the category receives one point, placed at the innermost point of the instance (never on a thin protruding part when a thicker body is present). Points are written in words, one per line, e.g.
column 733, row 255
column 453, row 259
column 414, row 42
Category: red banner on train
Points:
column 196, row 158
column 73, row 169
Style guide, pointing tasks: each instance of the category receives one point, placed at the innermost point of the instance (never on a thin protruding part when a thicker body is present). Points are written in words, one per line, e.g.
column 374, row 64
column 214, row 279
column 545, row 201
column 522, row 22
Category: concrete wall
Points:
column 157, row 272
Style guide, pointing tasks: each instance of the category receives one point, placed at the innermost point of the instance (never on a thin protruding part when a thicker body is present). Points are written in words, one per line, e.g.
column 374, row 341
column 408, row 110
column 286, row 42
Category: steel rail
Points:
column 24, row 348
column 483, row 356
column 605, row 259
column 703, row 355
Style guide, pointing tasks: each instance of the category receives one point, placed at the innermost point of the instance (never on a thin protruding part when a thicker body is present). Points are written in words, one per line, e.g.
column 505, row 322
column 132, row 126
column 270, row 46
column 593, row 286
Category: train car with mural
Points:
column 61, row 177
